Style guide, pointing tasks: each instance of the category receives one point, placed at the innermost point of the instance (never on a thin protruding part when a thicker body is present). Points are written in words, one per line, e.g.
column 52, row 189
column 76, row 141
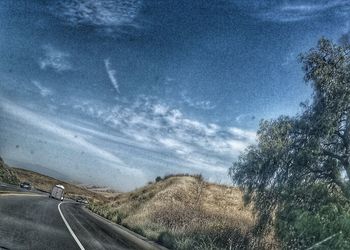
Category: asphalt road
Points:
column 34, row 221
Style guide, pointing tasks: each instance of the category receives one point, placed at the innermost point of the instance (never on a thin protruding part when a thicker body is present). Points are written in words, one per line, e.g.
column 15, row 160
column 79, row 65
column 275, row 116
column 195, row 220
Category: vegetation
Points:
column 297, row 176
column 7, row 175
column 185, row 212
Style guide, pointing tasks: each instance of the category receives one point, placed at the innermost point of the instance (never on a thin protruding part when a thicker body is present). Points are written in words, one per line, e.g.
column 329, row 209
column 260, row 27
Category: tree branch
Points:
column 334, row 156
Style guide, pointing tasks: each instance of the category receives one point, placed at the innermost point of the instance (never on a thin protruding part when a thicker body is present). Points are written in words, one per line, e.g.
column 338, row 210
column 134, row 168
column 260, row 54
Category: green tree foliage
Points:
column 311, row 151
column 316, row 215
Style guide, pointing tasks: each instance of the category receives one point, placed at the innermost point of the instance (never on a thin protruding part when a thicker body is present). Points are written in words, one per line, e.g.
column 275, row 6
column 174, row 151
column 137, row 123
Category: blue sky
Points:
column 117, row 92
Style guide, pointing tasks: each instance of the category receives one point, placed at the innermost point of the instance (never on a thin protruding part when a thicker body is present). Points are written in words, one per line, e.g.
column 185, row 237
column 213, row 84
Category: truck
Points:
column 57, row 192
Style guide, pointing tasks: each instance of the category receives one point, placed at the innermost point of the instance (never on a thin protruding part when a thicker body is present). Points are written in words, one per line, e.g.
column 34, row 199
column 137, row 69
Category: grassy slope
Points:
column 185, row 212
column 7, row 174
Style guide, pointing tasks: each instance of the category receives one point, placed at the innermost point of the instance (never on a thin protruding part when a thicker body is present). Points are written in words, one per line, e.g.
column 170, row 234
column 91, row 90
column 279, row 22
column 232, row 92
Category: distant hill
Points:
column 186, row 212
column 39, row 169
column 105, row 191
column 7, row 174
column 45, row 183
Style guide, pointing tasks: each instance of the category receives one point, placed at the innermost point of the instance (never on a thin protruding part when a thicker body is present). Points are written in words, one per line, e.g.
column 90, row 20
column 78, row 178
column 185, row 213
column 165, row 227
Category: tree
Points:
column 328, row 69
column 296, row 154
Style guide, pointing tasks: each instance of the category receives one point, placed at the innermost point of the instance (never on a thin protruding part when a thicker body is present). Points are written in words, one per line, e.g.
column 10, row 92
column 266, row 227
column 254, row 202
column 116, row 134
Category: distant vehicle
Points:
column 57, row 192
column 26, row 185
column 81, row 200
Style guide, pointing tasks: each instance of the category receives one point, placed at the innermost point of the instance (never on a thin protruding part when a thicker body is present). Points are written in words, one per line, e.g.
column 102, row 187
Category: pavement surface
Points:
column 31, row 220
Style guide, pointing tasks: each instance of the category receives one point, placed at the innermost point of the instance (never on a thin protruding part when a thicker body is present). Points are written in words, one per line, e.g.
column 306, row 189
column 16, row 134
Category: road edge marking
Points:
column 70, row 229
column 20, row 194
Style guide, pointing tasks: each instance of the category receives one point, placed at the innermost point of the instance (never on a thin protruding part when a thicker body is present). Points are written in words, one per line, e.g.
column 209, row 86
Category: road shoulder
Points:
column 127, row 233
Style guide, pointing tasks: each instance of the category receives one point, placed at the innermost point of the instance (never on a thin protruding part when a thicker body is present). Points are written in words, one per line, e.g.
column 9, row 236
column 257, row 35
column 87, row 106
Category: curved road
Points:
column 33, row 221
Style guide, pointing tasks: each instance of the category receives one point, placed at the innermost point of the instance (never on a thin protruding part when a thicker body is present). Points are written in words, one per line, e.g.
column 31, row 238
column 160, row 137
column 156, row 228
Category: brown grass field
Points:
column 185, row 212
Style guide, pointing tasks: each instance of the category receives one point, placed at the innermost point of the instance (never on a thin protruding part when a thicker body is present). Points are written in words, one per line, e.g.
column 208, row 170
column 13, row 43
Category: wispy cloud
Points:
column 243, row 134
column 111, row 74
column 44, row 91
column 291, row 11
column 153, row 125
column 245, row 119
column 289, row 58
column 102, row 13
column 198, row 104
column 45, row 124
column 143, row 137
column 55, row 59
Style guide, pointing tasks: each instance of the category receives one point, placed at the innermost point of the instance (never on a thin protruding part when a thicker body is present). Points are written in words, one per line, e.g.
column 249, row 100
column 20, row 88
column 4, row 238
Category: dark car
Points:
column 26, row 185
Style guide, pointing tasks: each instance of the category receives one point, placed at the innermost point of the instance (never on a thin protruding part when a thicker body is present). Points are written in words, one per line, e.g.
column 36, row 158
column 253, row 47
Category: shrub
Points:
column 138, row 230
column 325, row 217
column 167, row 239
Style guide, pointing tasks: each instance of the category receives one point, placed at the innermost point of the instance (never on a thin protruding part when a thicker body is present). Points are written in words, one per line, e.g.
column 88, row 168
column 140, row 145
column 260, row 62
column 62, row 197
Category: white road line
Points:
column 18, row 194
column 70, row 229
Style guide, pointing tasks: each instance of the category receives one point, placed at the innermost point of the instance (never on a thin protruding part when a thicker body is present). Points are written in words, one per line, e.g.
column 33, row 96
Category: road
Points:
column 34, row 221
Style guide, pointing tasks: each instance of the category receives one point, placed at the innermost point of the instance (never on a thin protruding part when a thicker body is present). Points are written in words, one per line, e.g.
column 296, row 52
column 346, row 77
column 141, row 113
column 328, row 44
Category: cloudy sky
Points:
column 117, row 92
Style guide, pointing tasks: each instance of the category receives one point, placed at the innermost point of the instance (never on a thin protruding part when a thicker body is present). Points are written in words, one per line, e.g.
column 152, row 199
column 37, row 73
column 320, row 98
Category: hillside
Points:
column 45, row 183
column 12, row 175
column 7, row 174
column 185, row 212
column 104, row 191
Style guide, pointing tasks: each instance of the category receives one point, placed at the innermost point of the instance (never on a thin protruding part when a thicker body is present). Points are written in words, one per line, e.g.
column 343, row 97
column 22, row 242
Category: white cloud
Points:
column 105, row 13
column 160, row 109
column 244, row 119
column 291, row 11
column 42, row 90
column 154, row 126
column 55, row 59
column 141, row 138
column 247, row 135
column 198, row 104
column 31, row 118
column 168, row 80
column 111, row 74
column 289, row 58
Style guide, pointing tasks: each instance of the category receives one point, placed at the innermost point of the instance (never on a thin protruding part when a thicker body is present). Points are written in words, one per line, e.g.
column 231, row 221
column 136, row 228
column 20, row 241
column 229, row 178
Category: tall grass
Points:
column 7, row 174
column 185, row 212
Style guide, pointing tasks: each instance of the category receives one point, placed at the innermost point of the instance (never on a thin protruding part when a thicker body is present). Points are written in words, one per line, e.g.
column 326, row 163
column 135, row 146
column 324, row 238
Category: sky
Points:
column 117, row 92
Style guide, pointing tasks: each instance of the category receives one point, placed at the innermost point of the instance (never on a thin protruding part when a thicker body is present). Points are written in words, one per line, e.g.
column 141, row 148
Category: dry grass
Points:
column 7, row 174
column 185, row 212
column 104, row 191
